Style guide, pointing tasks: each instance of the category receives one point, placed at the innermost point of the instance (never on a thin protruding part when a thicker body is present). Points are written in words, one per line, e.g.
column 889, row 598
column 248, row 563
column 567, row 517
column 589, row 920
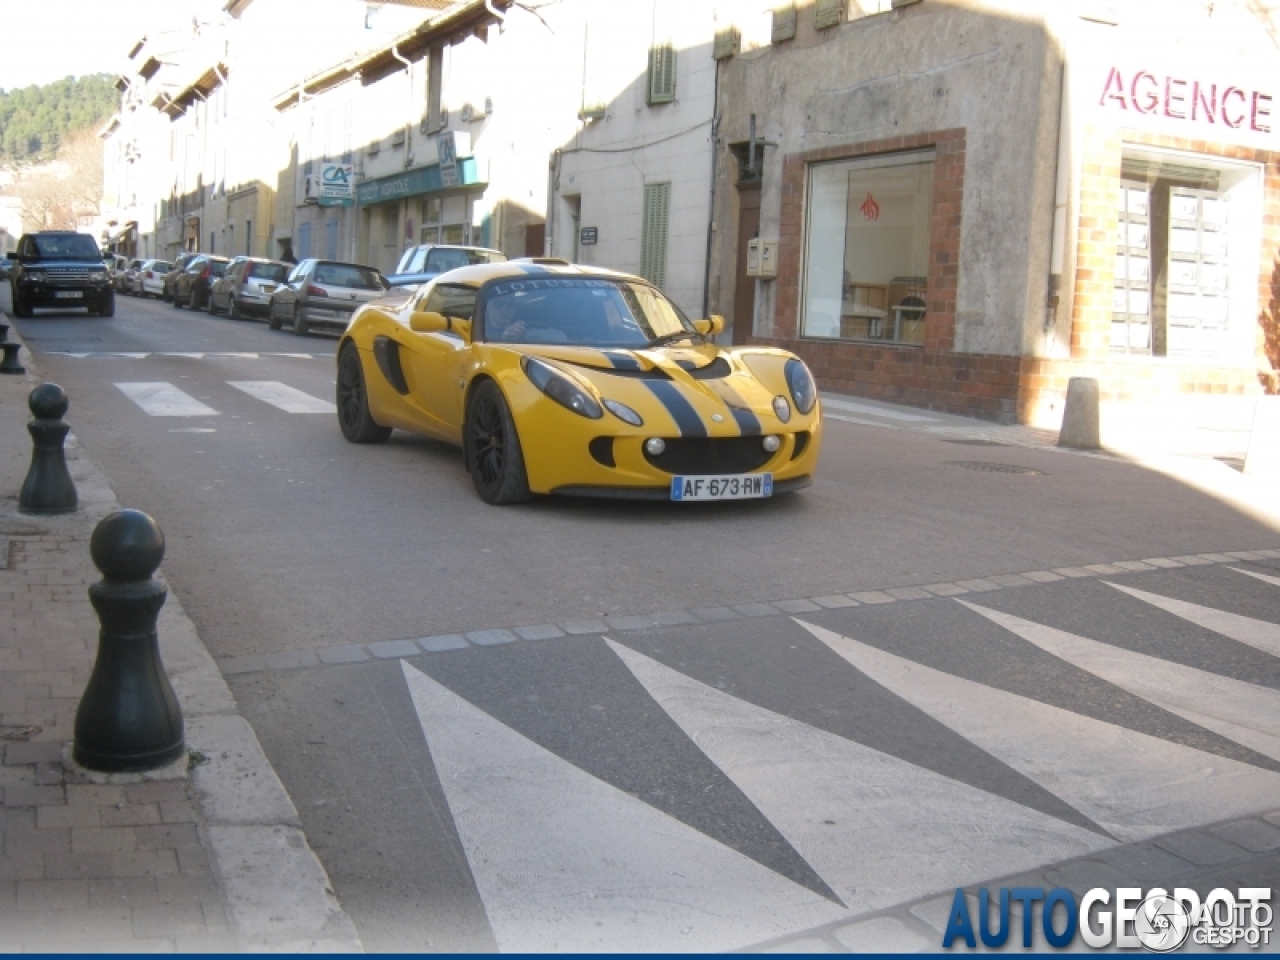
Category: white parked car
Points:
column 323, row 293
column 149, row 280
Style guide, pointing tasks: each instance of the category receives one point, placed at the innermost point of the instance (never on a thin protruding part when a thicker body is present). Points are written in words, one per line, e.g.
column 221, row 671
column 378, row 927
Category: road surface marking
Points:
column 283, row 396
column 565, row 862
column 1256, row 633
column 1260, row 576
column 1239, row 711
column 165, row 400
column 877, row 829
column 1132, row 784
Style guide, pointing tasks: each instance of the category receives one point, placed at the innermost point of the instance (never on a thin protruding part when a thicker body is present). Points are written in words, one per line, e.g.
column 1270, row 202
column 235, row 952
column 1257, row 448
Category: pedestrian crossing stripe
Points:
column 1134, row 785
column 1243, row 712
column 162, row 399
column 1259, row 634
column 1259, row 576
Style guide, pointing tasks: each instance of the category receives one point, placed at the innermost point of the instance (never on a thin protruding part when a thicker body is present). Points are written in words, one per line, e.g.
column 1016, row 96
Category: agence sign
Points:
column 1143, row 92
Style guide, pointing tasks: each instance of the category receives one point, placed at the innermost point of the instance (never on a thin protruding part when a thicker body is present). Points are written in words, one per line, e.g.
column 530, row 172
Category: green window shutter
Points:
column 827, row 13
column 662, row 73
column 653, row 255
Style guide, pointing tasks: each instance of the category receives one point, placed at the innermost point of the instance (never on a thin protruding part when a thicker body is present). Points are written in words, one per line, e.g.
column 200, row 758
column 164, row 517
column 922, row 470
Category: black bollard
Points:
column 48, row 487
column 9, row 363
column 128, row 719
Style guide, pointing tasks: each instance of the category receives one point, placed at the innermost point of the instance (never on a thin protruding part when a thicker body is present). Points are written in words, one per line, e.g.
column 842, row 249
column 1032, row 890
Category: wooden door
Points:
column 744, row 287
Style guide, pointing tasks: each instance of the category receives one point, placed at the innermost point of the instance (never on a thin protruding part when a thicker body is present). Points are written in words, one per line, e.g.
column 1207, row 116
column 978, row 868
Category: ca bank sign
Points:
column 337, row 185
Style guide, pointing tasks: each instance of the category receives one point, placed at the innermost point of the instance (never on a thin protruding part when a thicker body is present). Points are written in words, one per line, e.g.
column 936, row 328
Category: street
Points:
column 585, row 725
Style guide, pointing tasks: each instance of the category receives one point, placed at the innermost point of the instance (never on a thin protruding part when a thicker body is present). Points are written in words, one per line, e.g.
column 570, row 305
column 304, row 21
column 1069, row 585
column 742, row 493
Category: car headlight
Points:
column 98, row 275
column 624, row 413
column 781, row 408
column 804, row 392
column 561, row 389
column 33, row 275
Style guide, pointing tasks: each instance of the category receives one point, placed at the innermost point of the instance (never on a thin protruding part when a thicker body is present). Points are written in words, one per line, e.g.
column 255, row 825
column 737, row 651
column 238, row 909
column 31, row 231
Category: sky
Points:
column 46, row 40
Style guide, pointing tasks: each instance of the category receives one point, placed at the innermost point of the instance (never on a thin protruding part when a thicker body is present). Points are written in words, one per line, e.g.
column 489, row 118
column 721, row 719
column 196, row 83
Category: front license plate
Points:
column 739, row 486
column 68, row 294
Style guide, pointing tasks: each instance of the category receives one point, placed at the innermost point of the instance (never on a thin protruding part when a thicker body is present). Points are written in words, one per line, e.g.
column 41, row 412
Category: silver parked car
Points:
column 245, row 289
column 323, row 293
column 149, row 280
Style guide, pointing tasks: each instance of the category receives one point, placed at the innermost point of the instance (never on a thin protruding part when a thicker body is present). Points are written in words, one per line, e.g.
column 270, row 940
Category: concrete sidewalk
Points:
column 212, row 858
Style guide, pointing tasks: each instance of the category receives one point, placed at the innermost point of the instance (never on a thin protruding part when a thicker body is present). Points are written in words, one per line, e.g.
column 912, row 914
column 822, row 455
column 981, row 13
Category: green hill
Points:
column 34, row 120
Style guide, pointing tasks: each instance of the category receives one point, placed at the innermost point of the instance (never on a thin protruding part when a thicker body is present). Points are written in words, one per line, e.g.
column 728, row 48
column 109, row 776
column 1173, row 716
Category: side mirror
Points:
column 424, row 322
column 710, row 326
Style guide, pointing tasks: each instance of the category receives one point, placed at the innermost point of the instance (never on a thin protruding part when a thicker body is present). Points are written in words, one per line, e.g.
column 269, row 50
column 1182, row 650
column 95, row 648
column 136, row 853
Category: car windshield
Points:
column 273, row 272
column 218, row 267
column 580, row 312
column 445, row 258
column 162, row 266
column 347, row 275
column 68, row 246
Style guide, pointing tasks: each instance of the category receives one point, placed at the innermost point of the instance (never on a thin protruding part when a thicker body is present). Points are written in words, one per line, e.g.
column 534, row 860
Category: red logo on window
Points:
column 870, row 209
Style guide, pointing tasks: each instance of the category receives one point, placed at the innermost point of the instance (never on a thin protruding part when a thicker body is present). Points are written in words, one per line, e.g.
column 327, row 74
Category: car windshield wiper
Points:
column 673, row 337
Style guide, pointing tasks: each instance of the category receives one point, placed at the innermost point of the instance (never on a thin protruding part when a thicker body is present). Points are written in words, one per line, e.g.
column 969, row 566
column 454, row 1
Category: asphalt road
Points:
column 285, row 542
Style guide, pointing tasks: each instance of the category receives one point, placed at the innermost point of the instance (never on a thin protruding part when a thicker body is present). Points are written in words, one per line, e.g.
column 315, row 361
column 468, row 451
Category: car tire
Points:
column 209, row 307
column 492, row 448
column 273, row 321
column 20, row 308
column 354, row 419
column 107, row 308
column 233, row 309
column 300, row 326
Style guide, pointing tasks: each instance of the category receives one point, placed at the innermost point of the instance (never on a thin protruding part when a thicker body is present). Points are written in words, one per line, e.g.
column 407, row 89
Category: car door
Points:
column 437, row 360
column 286, row 295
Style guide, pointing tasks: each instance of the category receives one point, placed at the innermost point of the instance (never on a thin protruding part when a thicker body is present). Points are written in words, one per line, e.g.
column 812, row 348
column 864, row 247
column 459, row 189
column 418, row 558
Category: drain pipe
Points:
column 711, row 214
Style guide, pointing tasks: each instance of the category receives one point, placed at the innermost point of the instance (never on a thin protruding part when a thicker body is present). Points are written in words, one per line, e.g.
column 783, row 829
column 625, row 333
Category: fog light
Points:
column 772, row 443
column 782, row 408
column 654, row 446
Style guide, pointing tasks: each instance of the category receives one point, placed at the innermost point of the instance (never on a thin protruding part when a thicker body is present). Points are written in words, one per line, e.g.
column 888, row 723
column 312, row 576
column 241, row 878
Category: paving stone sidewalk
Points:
column 210, row 858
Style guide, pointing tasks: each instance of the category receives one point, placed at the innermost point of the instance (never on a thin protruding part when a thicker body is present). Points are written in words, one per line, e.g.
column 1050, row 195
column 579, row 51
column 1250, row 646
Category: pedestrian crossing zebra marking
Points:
column 283, row 396
column 1243, row 712
column 877, row 829
column 1259, row 576
column 1259, row 634
column 565, row 862
column 161, row 399
column 1134, row 785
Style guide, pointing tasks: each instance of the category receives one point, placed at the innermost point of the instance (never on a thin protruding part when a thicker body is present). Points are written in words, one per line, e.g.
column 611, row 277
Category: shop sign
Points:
column 337, row 182
column 588, row 236
column 414, row 182
column 1195, row 101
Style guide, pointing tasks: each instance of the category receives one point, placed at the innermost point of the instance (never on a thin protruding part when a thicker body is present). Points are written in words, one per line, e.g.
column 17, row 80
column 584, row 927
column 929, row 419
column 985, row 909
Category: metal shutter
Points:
column 653, row 255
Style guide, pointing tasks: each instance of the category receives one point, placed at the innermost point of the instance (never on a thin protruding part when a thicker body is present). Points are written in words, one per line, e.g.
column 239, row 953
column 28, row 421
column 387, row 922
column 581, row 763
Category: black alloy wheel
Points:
column 357, row 424
column 493, row 453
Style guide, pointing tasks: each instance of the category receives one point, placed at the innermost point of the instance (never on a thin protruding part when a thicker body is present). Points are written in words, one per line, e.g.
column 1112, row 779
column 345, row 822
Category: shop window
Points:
column 1186, row 256
column 867, row 248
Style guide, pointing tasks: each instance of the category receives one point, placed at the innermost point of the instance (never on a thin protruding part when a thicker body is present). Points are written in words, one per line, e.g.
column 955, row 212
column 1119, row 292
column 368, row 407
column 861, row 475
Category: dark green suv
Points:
column 60, row 269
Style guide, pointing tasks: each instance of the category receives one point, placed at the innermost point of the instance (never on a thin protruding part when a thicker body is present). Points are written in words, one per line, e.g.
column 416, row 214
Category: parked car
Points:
column 581, row 381
column 191, row 288
column 124, row 278
column 6, row 266
column 175, row 271
column 61, row 268
column 246, row 287
column 428, row 260
column 323, row 293
column 149, row 280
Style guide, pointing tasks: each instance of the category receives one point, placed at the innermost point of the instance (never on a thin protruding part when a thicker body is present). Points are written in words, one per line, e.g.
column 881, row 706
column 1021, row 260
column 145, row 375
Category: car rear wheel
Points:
column 357, row 423
column 213, row 311
column 300, row 327
column 273, row 320
column 493, row 453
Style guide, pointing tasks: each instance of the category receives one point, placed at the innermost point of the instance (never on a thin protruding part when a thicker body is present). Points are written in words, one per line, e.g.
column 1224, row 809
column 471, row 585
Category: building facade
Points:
column 969, row 203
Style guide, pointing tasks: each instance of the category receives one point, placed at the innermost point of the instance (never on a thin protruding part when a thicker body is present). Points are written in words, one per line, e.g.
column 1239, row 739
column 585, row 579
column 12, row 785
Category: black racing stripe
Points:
column 681, row 410
column 622, row 361
column 748, row 422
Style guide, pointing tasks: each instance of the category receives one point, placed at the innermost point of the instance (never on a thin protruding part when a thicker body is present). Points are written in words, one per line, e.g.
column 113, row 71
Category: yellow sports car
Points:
column 563, row 379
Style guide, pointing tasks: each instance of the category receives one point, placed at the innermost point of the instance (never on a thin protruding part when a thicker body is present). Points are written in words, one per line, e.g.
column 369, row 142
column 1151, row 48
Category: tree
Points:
column 56, row 194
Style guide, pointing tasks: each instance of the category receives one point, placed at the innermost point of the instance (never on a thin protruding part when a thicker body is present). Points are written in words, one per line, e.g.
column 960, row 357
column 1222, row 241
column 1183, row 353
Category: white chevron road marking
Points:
column 283, row 396
column 877, row 829
column 1256, row 633
column 1260, row 576
column 165, row 400
column 565, row 862
column 1134, row 785
column 1243, row 712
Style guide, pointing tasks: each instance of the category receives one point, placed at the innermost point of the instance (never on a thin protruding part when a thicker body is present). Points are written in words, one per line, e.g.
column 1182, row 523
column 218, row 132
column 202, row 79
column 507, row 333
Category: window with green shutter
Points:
column 662, row 73
column 653, row 255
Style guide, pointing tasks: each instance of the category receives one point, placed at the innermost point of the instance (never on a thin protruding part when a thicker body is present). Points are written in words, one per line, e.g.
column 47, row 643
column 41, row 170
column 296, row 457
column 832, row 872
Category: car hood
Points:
column 705, row 390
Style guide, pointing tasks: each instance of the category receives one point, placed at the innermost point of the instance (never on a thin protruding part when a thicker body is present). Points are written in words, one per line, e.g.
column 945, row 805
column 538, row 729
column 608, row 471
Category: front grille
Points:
column 708, row 455
column 57, row 277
